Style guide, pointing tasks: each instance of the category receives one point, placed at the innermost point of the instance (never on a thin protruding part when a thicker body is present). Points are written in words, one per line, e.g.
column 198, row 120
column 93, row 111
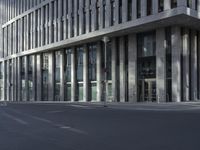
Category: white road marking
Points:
column 15, row 118
column 71, row 129
column 81, row 106
column 55, row 111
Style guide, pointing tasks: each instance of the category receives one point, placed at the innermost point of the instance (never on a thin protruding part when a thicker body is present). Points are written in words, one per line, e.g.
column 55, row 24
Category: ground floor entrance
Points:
column 147, row 90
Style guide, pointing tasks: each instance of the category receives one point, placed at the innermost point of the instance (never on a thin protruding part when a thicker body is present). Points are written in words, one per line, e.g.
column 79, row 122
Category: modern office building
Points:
column 96, row 50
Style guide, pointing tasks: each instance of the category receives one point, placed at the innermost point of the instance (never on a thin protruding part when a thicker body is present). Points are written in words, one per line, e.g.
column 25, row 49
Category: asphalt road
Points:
column 77, row 127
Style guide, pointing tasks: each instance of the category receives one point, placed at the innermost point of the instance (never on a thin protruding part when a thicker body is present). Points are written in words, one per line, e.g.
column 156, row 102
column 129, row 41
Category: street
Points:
column 93, row 127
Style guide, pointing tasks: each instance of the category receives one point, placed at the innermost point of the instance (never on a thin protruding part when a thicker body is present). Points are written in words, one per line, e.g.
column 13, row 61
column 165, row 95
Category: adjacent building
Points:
column 100, row 50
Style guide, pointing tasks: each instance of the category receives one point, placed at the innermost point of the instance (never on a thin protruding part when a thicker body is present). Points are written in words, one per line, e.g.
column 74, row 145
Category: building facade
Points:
column 100, row 50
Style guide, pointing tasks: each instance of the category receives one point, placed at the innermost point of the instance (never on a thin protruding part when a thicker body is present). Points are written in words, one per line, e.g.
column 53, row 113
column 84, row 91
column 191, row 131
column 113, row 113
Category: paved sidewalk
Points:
column 127, row 106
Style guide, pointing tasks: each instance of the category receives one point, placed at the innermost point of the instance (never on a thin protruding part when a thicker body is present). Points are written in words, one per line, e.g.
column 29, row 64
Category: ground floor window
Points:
column 45, row 76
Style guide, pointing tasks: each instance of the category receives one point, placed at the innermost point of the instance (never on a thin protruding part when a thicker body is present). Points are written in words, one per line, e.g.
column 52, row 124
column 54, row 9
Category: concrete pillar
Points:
column 108, row 14
column 176, row 64
column 155, row 6
column 132, row 67
column 167, row 4
column 198, row 6
column 51, row 74
column 143, row 8
column 194, row 92
column 81, row 19
column 8, row 80
column 4, row 82
column 85, row 74
column 194, row 4
column 62, row 75
column 26, row 79
column 73, row 75
column 122, row 69
column 198, row 64
column 34, row 78
column 182, row 3
column 94, row 12
column 69, row 18
column 99, row 72
column 115, row 72
column 124, row 11
column 39, row 76
column 134, row 9
column 19, row 79
column 14, row 79
column 161, row 65
column 186, row 65
column 116, row 12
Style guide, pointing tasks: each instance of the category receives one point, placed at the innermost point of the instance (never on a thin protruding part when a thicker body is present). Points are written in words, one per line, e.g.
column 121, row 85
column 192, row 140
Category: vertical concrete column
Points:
column 186, row 65
column 34, row 30
column 87, row 19
column 8, row 82
column 62, row 75
column 182, row 3
column 75, row 11
column 50, row 22
column 122, row 69
column 19, row 88
column 42, row 26
column 132, row 67
column 167, row 4
column 116, row 12
column 34, row 78
column 14, row 80
column 26, row 79
column 51, row 73
column 198, row 58
column 101, row 14
column 59, row 20
column 155, row 6
column 99, row 72
column 198, row 6
column 39, row 76
column 81, row 22
column 194, row 53
column 176, row 64
column 47, row 25
column 161, row 65
column 70, row 18
column 114, row 70
column 124, row 11
column 194, row 3
column 73, row 75
column 85, row 74
column 65, row 20
column 143, row 8
column 94, row 17
column 39, row 28
column 55, row 22
column 108, row 14
column 4, row 81
column 134, row 9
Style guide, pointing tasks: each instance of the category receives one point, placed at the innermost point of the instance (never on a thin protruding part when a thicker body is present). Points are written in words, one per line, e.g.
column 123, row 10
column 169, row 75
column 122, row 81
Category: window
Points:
column 1, row 81
column 67, row 74
column 138, row 8
column 30, row 77
column 160, row 5
column 23, row 81
column 57, row 75
column 112, row 12
column 189, row 3
column 149, row 7
column 173, row 3
column 129, row 10
column 120, row 11
column 97, row 15
column 79, row 64
column 45, row 76
column 92, row 62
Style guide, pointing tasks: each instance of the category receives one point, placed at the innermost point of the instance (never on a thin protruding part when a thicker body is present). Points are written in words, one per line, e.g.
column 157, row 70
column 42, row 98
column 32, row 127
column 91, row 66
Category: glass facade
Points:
column 57, row 75
column 30, row 77
column 67, row 67
column 1, row 81
column 45, row 76
column 23, row 80
column 146, row 44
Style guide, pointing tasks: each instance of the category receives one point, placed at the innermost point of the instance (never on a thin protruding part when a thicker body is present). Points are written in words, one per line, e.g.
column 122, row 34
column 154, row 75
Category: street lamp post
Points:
column 105, row 40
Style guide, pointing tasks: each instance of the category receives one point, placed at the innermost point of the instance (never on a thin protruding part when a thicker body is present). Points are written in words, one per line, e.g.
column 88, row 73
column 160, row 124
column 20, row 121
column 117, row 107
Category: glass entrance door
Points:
column 147, row 90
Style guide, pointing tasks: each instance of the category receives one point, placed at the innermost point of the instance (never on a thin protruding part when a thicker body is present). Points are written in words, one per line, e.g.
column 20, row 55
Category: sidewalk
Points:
column 124, row 106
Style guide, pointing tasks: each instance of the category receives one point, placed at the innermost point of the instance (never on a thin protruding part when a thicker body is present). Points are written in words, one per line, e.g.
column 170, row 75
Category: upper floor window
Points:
column 129, row 10
column 149, row 7
column 173, row 3
column 138, row 8
column 160, row 5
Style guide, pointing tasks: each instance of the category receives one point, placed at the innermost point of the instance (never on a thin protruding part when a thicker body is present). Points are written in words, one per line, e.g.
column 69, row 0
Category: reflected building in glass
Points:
column 53, row 50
